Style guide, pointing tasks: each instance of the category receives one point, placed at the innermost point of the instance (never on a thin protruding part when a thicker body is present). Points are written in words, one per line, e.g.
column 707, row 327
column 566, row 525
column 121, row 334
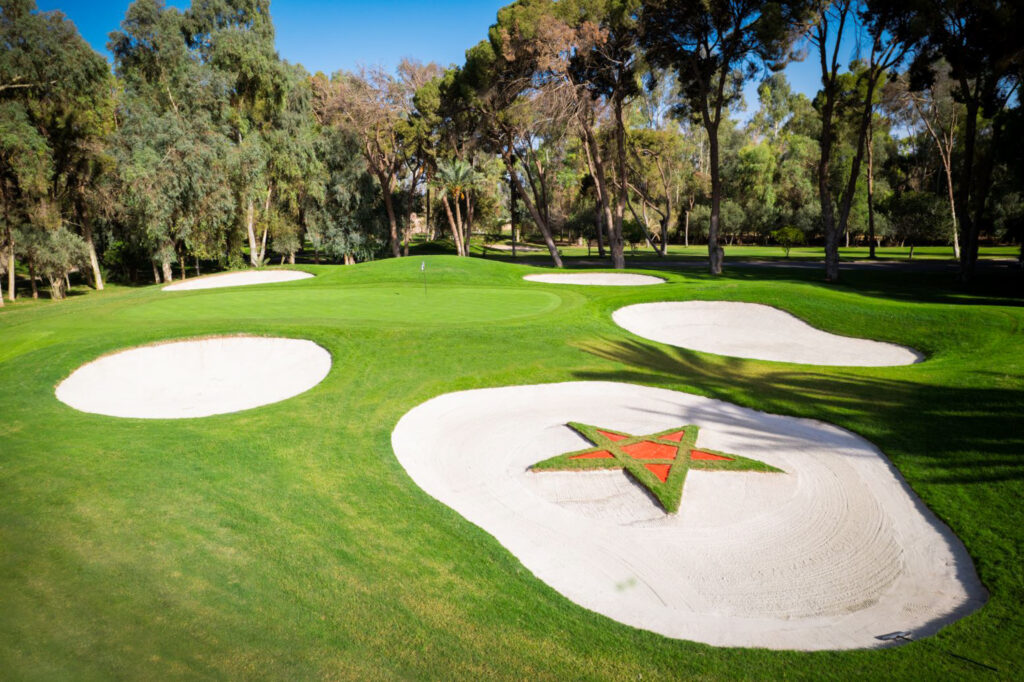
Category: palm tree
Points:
column 454, row 179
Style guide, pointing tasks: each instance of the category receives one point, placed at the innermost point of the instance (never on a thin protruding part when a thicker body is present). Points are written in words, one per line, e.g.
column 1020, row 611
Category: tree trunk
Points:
column 430, row 225
column 156, row 273
column 406, row 233
column 468, row 225
column 168, row 273
column 952, row 211
column 456, row 232
column 56, row 287
column 715, row 253
column 910, row 256
column 618, row 256
column 31, row 279
column 512, row 213
column 686, row 226
column 197, row 267
column 969, row 252
column 385, row 185
column 251, row 232
column 825, row 198
column 10, row 271
column 871, row 193
column 291, row 258
column 459, row 227
column 863, row 139
column 945, row 147
column 97, row 276
column 266, row 226
column 534, row 213
column 603, row 195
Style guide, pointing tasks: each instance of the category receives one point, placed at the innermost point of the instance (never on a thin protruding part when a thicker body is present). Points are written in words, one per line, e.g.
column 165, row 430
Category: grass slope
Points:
column 287, row 542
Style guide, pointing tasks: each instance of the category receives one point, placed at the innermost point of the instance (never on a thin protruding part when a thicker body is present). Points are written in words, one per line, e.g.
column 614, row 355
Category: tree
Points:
column 51, row 85
column 343, row 221
column 602, row 69
column 713, row 47
column 980, row 43
column 935, row 108
column 831, row 19
column 372, row 103
column 787, row 237
column 885, row 54
column 497, row 93
column 657, row 176
column 235, row 39
column 915, row 217
column 174, row 161
column 454, row 179
column 417, row 134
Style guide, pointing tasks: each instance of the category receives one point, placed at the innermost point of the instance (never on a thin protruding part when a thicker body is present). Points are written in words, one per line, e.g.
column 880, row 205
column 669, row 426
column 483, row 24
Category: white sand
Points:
column 608, row 279
column 755, row 331
column 508, row 247
column 829, row 555
column 196, row 378
column 238, row 279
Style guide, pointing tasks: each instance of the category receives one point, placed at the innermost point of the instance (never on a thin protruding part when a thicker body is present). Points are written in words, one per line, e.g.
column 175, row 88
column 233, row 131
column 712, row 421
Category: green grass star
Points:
column 658, row 461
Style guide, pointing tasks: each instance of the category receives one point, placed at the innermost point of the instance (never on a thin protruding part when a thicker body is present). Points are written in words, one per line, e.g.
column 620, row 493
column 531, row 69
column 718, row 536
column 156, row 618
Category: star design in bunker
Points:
column 658, row 461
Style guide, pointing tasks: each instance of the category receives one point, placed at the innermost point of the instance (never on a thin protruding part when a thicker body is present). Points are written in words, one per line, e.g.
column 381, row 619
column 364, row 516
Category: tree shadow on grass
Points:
column 956, row 434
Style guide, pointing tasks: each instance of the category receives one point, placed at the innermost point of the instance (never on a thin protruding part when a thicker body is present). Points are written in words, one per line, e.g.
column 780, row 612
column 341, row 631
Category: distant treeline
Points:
column 611, row 121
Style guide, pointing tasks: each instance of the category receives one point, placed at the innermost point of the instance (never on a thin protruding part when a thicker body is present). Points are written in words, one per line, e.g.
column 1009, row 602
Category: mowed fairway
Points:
column 286, row 542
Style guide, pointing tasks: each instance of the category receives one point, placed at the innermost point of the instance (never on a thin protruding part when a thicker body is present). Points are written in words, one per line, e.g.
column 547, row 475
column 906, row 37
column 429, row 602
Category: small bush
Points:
column 787, row 237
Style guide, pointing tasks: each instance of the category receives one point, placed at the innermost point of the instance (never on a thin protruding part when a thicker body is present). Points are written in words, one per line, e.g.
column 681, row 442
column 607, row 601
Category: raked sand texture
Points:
column 196, row 378
column 238, row 279
column 608, row 279
column 757, row 332
column 828, row 555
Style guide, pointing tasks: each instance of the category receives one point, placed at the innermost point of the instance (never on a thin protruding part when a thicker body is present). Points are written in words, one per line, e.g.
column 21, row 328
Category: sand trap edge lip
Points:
column 975, row 597
column 918, row 356
column 188, row 339
column 204, row 282
column 608, row 279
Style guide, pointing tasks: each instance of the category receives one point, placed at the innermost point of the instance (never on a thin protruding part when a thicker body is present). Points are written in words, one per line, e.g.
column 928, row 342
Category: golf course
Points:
column 288, row 541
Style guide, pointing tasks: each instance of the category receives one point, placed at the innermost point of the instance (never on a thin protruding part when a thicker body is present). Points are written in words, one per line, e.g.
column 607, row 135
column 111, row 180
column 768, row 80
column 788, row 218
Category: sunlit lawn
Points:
column 286, row 542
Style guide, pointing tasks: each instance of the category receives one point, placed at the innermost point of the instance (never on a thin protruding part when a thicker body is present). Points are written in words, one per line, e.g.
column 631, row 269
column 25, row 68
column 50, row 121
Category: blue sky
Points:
column 327, row 36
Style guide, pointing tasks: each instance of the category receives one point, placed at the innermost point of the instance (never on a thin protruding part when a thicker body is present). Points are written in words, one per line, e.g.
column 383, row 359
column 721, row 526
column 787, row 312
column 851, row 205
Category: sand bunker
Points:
column 830, row 554
column 196, row 378
column 755, row 331
column 508, row 247
column 239, row 279
column 608, row 279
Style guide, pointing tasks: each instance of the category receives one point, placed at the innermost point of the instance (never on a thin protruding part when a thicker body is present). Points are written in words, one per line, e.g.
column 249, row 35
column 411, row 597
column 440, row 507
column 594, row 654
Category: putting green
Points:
column 398, row 303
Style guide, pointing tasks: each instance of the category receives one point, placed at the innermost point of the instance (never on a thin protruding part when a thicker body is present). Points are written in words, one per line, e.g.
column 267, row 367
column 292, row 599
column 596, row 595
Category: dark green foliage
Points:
column 917, row 218
column 980, row 43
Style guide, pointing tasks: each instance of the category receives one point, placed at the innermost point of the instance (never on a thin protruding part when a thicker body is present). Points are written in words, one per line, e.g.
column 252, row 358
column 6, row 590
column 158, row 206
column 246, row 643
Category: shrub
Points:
column 787, row 237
